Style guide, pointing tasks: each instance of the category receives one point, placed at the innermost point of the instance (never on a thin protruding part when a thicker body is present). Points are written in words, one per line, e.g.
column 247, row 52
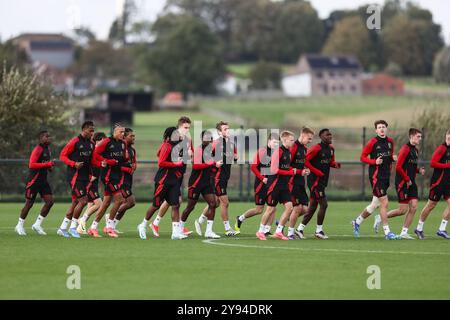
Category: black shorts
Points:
column 299, row 195
column 41, row 187
column 126, row 190
column 439, row 191
column 260, row 189
column 405, row 193
column 220, row 187
column 113, row 187
column 202, row 188
column 317, row 192
column 379, row 189
column 279, row 193
column 92, row 190
column 80, row 189
column 169, row 192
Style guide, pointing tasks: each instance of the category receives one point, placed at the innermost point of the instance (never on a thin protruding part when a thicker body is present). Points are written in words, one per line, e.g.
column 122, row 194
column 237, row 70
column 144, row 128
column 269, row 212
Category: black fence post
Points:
column 241, row 172
column 422, row 183
column 363, row 173
column 248, row 182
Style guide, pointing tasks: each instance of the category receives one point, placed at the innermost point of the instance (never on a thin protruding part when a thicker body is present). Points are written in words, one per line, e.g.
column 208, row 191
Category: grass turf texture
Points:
column 34, row 267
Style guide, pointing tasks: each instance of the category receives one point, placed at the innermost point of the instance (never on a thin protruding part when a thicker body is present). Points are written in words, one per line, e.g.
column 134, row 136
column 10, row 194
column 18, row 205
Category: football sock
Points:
column 209, row 226
column 359, row 219
column 157, row 220
column 279, row 228
column 74, row 223
column 420, row 225
column 301, row 227
column 318, row 228
column 404, row 230
column 227, row 225
column 202, row 218
column 291, row 231
column 443, row 225
column 39, row 220
column 21, row 222
column 262, row 228
column 94, row 225
column 267, row 228
column 241, row 217
column 386, row 230
column 64, row 224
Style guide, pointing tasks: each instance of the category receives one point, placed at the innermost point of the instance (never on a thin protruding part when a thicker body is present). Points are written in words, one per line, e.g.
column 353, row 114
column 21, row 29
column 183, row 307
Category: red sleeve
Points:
column 67, row 151
column 198, row 160
column 99, row 149
column 309, row 156
column 437, row 155
column 366, row 152
column 257, row 162
column 134, row 160
column 293, row 151
column 404, row 151
column 34, row 158
column 164, row 152
column 95, row 161
column 274, row 165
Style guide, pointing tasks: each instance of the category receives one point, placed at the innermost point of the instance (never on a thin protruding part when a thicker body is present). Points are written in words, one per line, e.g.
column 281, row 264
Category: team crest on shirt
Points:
column 321, row 193
column 389, row 145
column 111, row 147
column 378, row 147
column 81, row 146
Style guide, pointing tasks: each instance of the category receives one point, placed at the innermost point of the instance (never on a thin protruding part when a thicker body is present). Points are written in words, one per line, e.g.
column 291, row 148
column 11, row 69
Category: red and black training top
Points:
column 39, row 164
column 127, row 167
column 440, row 161
column 406, row 167
column 261, row 164
column 170, row 168
column 299, row 152
column 375, row 148
column 201, row 167
column 78, row 149
column 280, row 166
column 181, row 147
column 112, row 151
column 225, row 150
column 321, row 157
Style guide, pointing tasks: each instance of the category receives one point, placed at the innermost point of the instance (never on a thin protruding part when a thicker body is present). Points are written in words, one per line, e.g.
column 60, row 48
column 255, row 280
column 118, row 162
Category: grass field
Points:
column 335, row 112
column 34, row 267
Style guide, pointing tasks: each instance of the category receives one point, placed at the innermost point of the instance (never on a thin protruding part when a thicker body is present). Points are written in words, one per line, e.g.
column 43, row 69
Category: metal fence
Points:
column 348, row 183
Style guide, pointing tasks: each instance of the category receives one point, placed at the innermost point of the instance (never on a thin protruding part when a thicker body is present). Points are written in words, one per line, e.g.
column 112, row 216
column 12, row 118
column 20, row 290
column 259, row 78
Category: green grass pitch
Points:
column 34, row 267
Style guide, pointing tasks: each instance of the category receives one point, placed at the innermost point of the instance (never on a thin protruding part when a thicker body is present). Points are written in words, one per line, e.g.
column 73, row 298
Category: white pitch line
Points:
column 215, row 242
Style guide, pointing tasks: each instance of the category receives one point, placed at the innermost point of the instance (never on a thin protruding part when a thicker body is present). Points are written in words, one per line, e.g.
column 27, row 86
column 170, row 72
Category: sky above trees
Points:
column 59, row 15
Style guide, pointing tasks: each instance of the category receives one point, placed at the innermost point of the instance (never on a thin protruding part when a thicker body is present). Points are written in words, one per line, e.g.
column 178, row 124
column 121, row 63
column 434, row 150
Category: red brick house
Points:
column 382, row 85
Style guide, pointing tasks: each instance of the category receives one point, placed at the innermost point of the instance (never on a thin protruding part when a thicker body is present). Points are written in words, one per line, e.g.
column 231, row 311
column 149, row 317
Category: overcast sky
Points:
column 58, row 16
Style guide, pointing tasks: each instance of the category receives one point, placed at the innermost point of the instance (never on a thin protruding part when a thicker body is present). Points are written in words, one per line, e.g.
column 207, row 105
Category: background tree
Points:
column 441, row 68
column 28, row 105
column 298, row 30
column 412, row 44
column 121, row 26
column 350, row 36
column 185, row 57
column 11, row 55
column 266, row 75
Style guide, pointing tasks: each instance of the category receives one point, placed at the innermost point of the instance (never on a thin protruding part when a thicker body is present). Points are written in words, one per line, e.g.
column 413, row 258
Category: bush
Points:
column 266, row 75
column 441, row 66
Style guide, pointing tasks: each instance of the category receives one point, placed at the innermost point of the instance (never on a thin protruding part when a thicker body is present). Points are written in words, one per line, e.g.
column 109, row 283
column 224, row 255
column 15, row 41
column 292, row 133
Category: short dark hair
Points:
column 87, row 124
column 183, row 120
column 322, row 131
column 128, row 131
column 220, row 124
column 376, row 123
column 205, row 132
column 168, row 133
column 414, row 131
column 42, row 133
column 99, row 136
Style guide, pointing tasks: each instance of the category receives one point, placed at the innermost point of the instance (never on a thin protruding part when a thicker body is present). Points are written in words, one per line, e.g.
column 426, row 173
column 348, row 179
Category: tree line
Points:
column 189, row 45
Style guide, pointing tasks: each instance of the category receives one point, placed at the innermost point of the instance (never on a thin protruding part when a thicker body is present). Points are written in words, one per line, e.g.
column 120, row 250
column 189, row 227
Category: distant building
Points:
column 382, row 85
column 232, row 85
column 319, row 75
column 54, row 50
